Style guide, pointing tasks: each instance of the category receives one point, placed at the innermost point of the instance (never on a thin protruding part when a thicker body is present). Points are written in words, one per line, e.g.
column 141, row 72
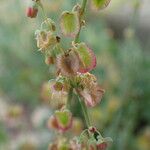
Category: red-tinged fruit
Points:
column 52, row 123
column 87, row 58
column 92, row 96
column 91, row 92
column 68, row 64
column 61, row 120
column 102, row 146
column 45, row 40
column 64, row 120
column 69, row 23
column 32, row 12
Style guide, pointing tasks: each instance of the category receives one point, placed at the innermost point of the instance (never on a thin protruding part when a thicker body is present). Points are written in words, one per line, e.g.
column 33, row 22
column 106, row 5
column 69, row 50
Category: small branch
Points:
column 80, row 19
column 84, row 110
column 42, row 8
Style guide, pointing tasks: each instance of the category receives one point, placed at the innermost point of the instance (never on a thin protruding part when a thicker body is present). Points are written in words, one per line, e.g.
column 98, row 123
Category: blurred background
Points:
column 120, row 37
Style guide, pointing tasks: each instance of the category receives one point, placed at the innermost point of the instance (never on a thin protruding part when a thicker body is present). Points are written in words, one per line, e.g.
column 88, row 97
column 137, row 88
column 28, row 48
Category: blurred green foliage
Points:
column 123, row 69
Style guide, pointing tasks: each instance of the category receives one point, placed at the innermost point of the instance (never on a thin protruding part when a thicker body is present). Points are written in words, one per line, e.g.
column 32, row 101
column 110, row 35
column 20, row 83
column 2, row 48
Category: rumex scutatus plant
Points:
column 72, row 77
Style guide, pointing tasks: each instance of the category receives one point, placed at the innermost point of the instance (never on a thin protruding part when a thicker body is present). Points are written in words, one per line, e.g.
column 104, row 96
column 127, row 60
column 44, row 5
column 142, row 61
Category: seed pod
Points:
column 69, row 23
column 91, row 91
column 68, row 64
column 61, row 120
column 103, row 143
column 87, row 58
column 48, row 25
column 32, row 10
column 92, row 96
column 64, row 119
column 102, row 146
column 100, row 4
column 45, row 40
column 52, row 123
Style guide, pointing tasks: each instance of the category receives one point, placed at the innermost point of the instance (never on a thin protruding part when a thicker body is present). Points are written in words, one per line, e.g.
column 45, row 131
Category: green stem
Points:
column 84, row 2
column 70, row 94
column 83, row 6
column 84, row 110
column 43, row 11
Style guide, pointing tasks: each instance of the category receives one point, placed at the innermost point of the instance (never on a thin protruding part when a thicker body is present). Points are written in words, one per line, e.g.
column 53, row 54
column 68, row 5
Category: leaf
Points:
column 69, row 23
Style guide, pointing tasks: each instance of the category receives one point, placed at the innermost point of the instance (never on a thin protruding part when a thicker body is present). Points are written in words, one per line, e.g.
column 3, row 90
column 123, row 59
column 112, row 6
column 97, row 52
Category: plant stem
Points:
column 83, row 6
column 84, row 2
column 43, row 11
column 70, row 94
column 84, row 110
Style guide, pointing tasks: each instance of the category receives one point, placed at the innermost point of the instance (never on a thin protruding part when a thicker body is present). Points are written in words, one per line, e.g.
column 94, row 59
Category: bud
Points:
column 102, row 146
column 58, row 86
column 32, row 10
column 87, row 58
column 92, row 129
column 100, row 4
column 49, row 60
column 103, row 143
column 69, row 23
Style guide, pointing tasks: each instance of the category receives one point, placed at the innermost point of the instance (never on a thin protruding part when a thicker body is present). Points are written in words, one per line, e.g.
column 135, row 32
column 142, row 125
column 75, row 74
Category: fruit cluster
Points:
column 72, row 77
